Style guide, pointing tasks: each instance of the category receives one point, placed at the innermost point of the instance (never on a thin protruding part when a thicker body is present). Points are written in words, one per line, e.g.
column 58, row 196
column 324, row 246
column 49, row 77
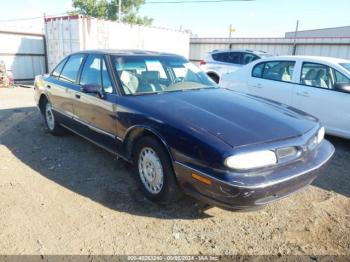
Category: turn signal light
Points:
column 201, row 179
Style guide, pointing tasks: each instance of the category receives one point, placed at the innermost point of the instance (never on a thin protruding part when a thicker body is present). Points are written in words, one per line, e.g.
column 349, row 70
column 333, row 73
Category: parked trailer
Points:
column 67, row 34
column 326, row 46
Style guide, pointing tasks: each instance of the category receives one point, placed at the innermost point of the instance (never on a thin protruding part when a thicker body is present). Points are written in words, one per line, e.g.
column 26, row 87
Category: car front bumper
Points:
column 240, row 192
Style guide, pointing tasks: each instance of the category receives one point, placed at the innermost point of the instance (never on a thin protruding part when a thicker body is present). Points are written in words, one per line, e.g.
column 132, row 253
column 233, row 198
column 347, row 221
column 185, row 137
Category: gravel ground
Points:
column 63, row 195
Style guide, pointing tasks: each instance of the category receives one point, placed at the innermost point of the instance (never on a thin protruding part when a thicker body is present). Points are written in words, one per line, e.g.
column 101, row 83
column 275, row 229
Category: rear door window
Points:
column 57, row 71
column 71, row 68
column 221, row 57
column 279, row 71
column 235, row 58
column 228, row 57
column 248, row 58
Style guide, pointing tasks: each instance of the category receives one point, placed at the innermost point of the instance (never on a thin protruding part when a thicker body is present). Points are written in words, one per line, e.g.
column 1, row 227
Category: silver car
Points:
column 219, row 62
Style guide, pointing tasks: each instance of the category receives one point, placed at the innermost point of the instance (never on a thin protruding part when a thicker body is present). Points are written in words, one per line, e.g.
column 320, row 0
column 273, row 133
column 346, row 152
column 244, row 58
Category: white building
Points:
column 343, row 31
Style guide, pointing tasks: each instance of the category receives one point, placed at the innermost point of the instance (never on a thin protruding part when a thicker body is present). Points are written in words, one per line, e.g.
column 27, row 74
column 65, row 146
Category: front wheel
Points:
column 156, row 175
column 51, row 123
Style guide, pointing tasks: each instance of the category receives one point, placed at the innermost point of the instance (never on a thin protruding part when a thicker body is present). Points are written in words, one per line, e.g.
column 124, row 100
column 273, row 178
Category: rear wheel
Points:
column 215, row 77
column 155, row 173
column 52, row 125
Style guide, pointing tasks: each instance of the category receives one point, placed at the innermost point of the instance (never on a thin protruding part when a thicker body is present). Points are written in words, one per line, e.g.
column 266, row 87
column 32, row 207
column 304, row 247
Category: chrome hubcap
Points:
column 150, row 170
column 50, row 120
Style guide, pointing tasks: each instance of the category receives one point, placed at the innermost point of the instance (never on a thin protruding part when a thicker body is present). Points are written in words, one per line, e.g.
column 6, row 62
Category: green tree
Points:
column 108, row 10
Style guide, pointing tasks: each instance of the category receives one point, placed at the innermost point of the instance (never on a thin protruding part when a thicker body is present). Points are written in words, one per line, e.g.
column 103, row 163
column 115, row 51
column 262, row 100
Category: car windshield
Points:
column 157, row 74
column 346, row 66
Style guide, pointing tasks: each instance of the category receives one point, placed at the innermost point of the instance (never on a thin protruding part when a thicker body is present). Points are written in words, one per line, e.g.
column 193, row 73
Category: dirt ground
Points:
column 63, row 195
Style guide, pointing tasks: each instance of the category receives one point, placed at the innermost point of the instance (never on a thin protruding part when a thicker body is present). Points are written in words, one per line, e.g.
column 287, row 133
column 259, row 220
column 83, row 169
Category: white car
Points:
column 319, row 86
column 219, row 62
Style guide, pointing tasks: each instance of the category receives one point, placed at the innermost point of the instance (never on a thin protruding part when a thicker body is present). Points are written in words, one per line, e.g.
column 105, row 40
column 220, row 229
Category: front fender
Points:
column 135, row 131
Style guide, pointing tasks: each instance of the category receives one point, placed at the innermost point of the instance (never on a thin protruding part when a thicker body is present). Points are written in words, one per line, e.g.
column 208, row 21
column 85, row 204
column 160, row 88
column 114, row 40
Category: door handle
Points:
column 48, row 86
column 77, row 96
column 304, row 94
column 258, row 85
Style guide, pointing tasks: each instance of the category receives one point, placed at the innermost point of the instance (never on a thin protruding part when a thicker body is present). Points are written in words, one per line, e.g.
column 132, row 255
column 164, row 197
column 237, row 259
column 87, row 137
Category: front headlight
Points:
column 251, row 160
column 320, row 135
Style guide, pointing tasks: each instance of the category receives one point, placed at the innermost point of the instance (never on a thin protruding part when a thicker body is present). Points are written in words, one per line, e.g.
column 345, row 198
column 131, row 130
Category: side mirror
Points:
column 342, row 87
column 93, row 89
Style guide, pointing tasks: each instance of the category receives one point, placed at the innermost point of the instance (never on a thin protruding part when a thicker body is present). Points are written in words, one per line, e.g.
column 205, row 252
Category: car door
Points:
column 56, row 93
column 248, row 58
column 96, row 111
column 273, row 80
column 233, row 62
column 225, row 62
column 218, row 63
column 61, row 83
column 317, row 96
column 104, row 112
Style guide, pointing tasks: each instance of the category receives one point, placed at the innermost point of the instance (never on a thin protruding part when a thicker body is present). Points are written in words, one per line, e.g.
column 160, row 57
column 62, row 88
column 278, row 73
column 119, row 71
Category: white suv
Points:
column 219, row 62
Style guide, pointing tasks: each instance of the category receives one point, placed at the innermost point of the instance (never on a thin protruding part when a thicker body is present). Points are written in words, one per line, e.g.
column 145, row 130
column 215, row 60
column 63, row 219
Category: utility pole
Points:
column 295, row 38
column 231, row 29
column 119, row 6
column 46, row 70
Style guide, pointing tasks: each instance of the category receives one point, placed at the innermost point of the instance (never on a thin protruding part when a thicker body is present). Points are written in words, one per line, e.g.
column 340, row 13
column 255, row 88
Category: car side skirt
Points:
column 101, row 139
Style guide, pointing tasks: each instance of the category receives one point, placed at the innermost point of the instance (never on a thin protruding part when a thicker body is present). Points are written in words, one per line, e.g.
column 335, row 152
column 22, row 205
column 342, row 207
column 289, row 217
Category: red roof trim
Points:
column 66, row 17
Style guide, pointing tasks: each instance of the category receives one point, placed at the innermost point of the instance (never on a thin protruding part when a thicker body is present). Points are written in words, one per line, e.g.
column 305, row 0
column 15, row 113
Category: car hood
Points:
column 235, row 118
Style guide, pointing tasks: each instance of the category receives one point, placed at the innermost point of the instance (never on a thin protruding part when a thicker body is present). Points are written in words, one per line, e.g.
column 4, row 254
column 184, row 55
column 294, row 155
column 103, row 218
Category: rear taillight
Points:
column 10, row 78
column 202, row 62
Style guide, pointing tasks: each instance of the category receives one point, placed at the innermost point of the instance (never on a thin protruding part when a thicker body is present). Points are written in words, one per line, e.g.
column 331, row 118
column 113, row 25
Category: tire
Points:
column 214, row 77
column 50, row 121
column 155, row 172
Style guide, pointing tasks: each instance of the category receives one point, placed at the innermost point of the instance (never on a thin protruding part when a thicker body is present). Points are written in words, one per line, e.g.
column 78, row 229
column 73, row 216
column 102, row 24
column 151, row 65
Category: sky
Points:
column 259, row 18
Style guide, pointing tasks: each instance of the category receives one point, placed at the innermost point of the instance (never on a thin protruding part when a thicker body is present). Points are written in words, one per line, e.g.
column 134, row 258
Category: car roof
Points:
column 238, row 50
column 311, row 58
column 125, row 52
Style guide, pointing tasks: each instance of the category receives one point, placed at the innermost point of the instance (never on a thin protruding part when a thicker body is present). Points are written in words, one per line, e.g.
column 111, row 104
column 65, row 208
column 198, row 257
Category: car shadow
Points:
column 84, row 168
column 336, row 175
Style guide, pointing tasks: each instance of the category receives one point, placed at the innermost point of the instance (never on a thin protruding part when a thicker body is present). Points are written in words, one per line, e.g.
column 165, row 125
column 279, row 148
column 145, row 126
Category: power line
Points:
column 194, row 1
column 29, row 18
column 21, row 19
column 146, row 2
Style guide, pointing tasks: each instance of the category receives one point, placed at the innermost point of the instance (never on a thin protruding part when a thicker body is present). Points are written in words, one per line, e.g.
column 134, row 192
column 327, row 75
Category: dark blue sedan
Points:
column 183, row 133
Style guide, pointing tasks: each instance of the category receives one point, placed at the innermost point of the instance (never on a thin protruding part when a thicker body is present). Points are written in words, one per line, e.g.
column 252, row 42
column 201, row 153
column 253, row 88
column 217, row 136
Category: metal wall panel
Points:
column 333, row 47
column 62, row 38
column 339, row 51
column 24, row 67
column 23, row 54
column 74, row 33
column 324, row 32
